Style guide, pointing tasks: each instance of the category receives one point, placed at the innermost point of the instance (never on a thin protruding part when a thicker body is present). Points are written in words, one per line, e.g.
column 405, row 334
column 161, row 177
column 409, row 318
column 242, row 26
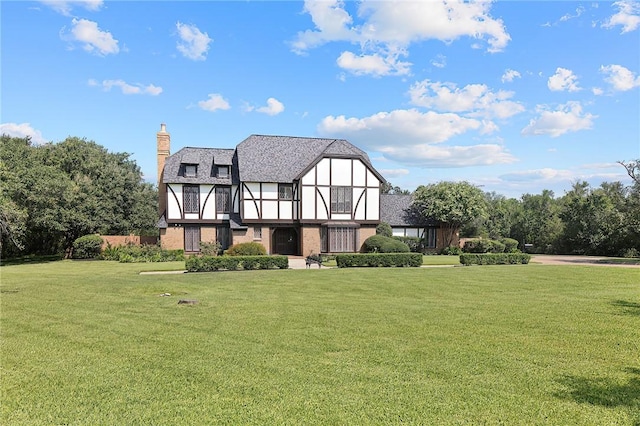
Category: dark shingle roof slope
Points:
column 396, row 211
column 283, row 158
column 205, row 158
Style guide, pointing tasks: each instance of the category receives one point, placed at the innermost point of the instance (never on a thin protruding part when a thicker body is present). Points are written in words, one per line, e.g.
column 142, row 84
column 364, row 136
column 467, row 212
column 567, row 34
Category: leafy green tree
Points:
column 73, row 188
column 453, row 204
column 388, row 188
column 538, row 222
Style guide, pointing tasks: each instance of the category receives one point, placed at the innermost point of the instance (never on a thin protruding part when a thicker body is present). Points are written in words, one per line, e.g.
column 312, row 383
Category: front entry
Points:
column 285, row 241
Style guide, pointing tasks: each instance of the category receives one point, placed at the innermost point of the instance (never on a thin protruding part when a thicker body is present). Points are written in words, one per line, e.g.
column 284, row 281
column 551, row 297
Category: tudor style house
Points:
column 293, row 195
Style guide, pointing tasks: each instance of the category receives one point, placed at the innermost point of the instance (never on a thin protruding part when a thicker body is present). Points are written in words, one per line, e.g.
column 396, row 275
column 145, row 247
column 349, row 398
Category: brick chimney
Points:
column 163, row 139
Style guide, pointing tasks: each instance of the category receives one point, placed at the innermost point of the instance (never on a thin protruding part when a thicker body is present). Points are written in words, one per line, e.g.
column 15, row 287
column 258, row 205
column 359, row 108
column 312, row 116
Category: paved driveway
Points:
column 552, row 259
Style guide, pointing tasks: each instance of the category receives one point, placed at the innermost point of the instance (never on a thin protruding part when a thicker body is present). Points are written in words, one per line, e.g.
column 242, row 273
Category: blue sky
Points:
column 516, row 97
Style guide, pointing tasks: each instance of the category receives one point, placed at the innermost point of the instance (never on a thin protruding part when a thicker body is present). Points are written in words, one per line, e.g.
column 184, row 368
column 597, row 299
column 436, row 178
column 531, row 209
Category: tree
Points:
column 633, row 169
column 538, row 221
column 73, row 188
column 453, row 204
column 388, row 188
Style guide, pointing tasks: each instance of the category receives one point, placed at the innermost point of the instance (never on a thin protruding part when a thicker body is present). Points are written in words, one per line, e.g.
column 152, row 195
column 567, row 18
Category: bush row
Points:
column 485, row 245
column 382, row 244
column 141, row 254
column 378, row 259
column 233, row 263
column 415, row 244
column 494, row 258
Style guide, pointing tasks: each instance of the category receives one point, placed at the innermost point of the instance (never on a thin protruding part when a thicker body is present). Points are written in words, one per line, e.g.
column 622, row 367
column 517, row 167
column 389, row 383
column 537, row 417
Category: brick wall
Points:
column 310, row 240
column 123, row 240
column 247, row 236
column 172, row 238
column 365, row 232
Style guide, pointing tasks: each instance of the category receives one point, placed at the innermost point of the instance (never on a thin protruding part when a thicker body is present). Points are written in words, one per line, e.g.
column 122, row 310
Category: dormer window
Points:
column 222, row 172
column 190, row 170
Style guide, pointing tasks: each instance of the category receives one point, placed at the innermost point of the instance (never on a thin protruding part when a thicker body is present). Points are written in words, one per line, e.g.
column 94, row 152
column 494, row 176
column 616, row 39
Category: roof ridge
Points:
column 299, row 137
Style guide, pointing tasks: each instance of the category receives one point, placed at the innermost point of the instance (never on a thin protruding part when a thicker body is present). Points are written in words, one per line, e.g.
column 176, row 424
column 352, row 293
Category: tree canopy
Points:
column 453, row 204
column 54, row 193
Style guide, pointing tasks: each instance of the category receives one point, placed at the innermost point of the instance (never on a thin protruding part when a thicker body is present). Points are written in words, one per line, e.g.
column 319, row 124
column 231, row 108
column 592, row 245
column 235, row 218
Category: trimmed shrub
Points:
column 381, row 244
column 87, row 247
column 510, row 245
column 212, row 248
column 494, row 258
column 384, row 229
column 451, row 251
column 141, row 254
column 233, row 263
column 483, row 245
column 415, row 244
column 378, row 260
column 246, row 249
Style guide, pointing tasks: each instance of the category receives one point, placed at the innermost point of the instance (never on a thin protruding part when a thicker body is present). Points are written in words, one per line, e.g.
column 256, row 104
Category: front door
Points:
column 285, row 241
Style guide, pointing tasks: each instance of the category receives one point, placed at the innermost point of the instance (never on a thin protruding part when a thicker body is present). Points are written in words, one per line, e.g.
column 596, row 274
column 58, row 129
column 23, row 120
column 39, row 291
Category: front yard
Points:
column 95, row 343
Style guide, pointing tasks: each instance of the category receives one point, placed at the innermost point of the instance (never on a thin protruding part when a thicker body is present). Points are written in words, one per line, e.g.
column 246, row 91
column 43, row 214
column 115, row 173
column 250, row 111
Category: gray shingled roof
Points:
column 283, row 158
column 396, row 211
column 205, row 158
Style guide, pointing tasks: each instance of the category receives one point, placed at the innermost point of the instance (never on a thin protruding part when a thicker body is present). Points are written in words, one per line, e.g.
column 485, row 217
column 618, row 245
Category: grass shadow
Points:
column 628, row 308
column 604, row 392
column 31, row 259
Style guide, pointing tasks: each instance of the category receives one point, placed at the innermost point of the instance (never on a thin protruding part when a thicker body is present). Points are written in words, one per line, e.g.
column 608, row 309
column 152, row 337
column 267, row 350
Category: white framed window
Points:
column 341, row 199
column 285, row 191
column 338, row 239
column 190, row 170
column 222, row 172
column 191, row 198
column 257, row 232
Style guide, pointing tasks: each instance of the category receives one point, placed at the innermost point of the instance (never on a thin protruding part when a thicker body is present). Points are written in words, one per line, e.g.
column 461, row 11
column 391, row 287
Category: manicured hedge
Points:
column 246, row 249
column 87, row 247
column 232, row 263
column 382, row 244
column 378, row 259
column 141, row 254
column 494, row 258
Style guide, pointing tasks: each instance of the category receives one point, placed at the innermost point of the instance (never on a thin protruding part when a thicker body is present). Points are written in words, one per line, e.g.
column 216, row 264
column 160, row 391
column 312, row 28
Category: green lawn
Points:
column 93, row 343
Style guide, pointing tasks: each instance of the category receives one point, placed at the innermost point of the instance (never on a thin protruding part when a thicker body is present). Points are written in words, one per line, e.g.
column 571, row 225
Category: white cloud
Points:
column 475, row 99
column 386, row 29
column 568, row 16
column 509, row 75
column 65, row 7
column 374, row 64
column 563, row 79
column 621, row 78
column 392, row 173
column 566, row 118
column 22, row 130
column 408, row 137
column 628, row 16
column 273, row 107
column 438, row 156
column 93, row 39
column 128, row 89
column 193, row 43
column 546, row 174
column 440, row 61
column 597, row 91
column 214, row 103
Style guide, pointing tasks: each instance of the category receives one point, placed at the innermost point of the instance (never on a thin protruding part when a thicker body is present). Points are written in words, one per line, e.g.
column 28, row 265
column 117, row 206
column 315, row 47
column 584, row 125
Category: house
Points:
column 396, row 211
column 293, row 195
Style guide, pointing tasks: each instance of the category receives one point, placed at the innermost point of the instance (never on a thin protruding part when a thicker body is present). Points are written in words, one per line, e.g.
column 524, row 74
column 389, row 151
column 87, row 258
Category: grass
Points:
column 93, row 343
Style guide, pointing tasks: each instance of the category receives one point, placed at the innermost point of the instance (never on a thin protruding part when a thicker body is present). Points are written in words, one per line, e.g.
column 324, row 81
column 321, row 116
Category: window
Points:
column 257, row 233
column 223, row 199
column 430, row 238
column 341, row 199
column 191, row 198
column 285, row 191
column 338, row 240
column 190, row 170
column 222, row 172
column 191, row 238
